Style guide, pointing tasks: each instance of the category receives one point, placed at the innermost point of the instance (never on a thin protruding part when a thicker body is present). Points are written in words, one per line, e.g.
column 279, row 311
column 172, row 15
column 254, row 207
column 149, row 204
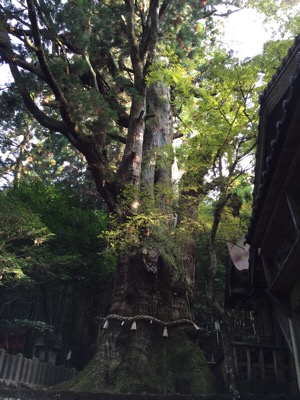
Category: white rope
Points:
column 151, row 320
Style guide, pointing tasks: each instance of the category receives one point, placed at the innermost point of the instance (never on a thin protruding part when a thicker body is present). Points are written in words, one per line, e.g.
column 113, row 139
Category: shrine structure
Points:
column 272, row 359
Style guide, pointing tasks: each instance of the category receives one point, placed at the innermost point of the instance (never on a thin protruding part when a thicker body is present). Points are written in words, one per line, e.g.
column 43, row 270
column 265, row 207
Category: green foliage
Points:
column 150, row 226
column 280, row 11
column 99, row 54
column 63, row 214
column 214, row 95
column 27, row 150
column 177, row 73
column 21, row 229
column 136, row 231
column 16, row 325
column 223, row 122
column 271, row 58
column 56, row 241
column 75, row 227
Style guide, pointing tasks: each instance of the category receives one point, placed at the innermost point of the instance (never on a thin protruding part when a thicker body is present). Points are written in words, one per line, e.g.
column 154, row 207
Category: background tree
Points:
column 54, row 267
column 217, row 162
column 81, row 70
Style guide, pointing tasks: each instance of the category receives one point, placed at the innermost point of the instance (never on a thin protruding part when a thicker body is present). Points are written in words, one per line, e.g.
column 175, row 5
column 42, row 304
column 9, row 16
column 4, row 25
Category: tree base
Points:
column 146, row 362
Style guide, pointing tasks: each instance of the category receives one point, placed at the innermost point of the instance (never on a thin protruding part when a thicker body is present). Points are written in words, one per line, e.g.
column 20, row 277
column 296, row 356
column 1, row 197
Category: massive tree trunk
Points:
column 148, row 341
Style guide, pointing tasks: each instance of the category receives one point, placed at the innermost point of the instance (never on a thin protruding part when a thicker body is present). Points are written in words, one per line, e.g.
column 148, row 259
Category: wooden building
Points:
column 237, row 275
column 274, row 238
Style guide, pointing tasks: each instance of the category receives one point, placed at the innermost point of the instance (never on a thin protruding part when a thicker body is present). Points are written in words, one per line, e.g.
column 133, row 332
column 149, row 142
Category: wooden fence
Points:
column 17, row 369
column 263, row 367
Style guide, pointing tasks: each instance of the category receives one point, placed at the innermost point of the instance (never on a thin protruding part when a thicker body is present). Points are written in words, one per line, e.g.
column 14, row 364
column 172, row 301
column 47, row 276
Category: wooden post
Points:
column 25, row 364
column 35, row 364
column 49, row 375
column 60, row 374
column 295, row 351
column 28, row 371
column 38, row 373
column 262, row 365
column 2, row 358
column 13, row 366
column 275, row 361
column 19, row 362
column 43, row 374
column 7, row 365
column 73, row 373
column 249, row 375
column 236, row 362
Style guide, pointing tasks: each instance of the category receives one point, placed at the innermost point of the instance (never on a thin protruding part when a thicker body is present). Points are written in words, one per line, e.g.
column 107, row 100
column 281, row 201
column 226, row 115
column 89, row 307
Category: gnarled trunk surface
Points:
column 148, row 342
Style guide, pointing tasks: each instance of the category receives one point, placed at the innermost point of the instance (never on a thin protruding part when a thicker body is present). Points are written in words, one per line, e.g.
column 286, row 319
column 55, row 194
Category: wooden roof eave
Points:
column 265, row 193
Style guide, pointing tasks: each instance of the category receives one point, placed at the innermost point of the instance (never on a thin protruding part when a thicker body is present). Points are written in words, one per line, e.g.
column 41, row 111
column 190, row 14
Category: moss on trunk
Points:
column 167, row 365
column 143, row 360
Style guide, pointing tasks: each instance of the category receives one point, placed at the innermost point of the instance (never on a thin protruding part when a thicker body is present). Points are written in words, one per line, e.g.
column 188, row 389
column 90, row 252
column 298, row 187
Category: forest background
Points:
column 107, row 99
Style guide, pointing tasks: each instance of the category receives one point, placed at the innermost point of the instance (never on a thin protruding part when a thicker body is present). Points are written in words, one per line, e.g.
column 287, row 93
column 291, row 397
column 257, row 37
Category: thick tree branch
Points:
column 134, row 46
column 40, row 116
column 64, row 42
column 163, row 8
column 8, row 55
column 150, row 34
column 118, row 138
column 64, row 107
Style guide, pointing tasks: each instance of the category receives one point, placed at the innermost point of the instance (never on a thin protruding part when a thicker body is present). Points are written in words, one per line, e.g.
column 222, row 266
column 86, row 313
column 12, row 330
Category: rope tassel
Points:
column 133, row 326
column 197, row 327
column 105, row 326
column 165, row 332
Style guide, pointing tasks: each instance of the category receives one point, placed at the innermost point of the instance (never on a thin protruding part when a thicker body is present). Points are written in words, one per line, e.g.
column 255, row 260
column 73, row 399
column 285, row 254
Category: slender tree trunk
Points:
column 213, row 301
column 63, row 313
column 229, row 361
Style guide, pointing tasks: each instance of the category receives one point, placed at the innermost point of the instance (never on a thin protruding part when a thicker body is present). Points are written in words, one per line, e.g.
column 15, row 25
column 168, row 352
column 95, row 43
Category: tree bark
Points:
column 147, row 342
column 229, row 362
column 158, row 138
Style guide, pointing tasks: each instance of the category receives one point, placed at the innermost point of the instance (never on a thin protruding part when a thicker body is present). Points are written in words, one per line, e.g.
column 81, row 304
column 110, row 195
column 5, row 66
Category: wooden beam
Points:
column 293, row 210
column 266, row 269
column 262, row 345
